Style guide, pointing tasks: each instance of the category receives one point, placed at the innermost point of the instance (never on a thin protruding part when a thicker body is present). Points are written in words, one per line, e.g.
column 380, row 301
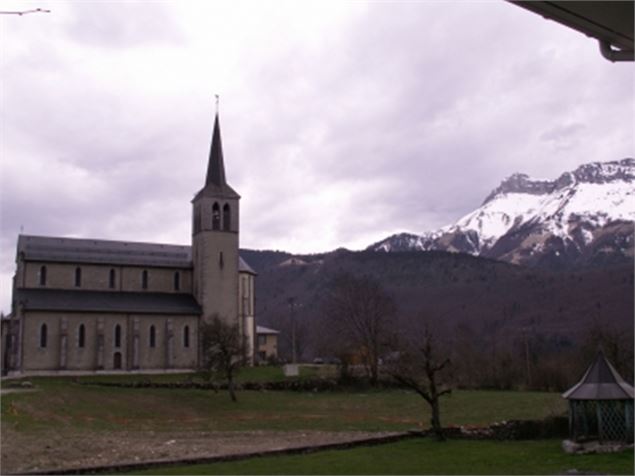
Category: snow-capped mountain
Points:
column 583, row 216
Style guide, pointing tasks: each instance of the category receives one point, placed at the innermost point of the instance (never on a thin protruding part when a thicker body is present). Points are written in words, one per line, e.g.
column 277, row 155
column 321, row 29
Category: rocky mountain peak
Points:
column 521, row 183
column 585, row 215
column 594, row 172
column 606, row 172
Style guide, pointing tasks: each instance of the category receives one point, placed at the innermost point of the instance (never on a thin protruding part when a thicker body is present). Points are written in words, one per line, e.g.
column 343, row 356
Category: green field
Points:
column 66, row 404
column 61, row 410
column 425, row 456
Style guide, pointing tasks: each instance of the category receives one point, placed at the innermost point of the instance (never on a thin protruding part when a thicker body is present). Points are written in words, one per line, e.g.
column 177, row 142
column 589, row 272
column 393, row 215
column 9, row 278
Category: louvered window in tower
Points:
column 227, row 220
column 215, row 217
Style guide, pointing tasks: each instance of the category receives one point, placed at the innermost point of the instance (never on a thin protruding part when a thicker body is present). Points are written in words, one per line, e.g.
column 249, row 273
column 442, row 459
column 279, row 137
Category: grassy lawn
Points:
column 425, row 456
column 64, row 404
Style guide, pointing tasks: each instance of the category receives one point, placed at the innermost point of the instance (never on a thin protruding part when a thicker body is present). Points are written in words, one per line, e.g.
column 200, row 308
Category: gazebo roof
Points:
column 600, row 382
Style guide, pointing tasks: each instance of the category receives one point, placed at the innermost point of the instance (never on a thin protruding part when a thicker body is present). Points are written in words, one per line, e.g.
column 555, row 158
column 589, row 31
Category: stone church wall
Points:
column 99, row 352
column 97, row 277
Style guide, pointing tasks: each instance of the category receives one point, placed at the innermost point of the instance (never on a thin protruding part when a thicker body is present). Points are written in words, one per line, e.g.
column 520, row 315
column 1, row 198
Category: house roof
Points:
column 103, row 301
column 609, row 22
column 265, row 330
column 600, row 382
column 130, row 253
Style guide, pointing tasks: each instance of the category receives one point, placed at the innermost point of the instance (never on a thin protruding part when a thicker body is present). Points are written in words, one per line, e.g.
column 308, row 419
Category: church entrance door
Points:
column 117, row 361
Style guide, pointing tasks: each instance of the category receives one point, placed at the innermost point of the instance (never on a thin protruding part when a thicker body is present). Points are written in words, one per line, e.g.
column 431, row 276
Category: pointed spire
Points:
column 216, row 166
column 215, row 182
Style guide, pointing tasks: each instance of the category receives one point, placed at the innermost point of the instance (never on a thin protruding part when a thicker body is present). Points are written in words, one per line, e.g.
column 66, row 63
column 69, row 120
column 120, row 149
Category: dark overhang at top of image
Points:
column 610, row 22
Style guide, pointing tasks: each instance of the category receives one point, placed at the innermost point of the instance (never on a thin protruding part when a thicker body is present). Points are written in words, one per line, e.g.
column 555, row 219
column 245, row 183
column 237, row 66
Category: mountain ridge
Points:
column 556, row 222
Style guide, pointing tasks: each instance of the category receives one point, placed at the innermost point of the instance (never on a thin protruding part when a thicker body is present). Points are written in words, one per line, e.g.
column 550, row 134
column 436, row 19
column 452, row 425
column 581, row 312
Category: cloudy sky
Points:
column 342, row 122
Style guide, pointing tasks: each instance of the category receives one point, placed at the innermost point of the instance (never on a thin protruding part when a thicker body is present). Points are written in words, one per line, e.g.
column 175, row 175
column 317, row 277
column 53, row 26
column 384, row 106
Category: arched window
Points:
column 144, row 279
column 117, row 335
column 186, row 336
column 177, row 281
column 215, row 217
column 43, row 336
column 81, row 336
column 78, row 277
column 153, row 336
column 227, row 220
column 111, row 279
column 42, row 275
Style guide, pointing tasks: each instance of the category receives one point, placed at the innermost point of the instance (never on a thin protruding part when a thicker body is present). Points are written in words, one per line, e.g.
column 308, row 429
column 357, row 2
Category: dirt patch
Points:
column 49, row 450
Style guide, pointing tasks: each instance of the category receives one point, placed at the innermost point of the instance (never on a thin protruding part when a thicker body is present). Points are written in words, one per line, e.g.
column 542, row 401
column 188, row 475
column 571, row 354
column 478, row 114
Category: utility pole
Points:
column 527, row 363
column 291, row 302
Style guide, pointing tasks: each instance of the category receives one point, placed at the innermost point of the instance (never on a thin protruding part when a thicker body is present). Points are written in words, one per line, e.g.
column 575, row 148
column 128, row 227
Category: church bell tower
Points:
column 215, row 239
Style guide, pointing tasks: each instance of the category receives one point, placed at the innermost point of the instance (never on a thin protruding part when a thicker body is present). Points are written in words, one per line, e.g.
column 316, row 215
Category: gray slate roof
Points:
column 600, row 382
column 103, row 301
column 79, row 250
column 49, row 248
column 243, row 267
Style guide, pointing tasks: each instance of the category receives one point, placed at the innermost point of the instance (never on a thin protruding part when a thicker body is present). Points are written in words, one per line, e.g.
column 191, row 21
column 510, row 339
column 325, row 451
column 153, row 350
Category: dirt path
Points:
column 50, row 450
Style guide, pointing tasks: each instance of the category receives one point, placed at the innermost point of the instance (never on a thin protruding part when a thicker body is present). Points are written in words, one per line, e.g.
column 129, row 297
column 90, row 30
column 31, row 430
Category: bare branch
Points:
column 25, row 12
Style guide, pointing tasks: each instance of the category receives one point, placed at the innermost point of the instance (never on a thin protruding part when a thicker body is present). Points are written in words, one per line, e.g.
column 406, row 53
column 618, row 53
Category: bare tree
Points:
column 420, row 367
column 223, row 351
column 360, row 314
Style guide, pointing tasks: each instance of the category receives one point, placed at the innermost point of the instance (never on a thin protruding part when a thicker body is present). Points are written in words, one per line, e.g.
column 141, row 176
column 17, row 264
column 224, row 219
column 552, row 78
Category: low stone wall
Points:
column 552, row 427
column 305, row 385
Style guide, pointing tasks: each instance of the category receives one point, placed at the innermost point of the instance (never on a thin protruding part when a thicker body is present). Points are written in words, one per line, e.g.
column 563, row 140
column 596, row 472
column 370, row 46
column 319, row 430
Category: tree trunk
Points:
column 435, row 421
column 230, row 387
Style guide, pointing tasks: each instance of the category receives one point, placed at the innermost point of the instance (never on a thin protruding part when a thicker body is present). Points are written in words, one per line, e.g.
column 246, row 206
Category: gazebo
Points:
column 601, row 405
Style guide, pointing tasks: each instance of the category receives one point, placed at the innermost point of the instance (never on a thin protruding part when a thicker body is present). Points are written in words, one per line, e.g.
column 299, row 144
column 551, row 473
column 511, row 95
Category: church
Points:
column 89, row 305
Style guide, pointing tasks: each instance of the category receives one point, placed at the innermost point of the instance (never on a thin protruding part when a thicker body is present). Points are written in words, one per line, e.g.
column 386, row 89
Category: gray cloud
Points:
column 338, row 129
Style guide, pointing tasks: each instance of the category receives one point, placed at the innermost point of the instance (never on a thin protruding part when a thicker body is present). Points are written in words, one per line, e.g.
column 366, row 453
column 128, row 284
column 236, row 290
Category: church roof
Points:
column 130, row 253
column 600, row 382
column 49, row 248
column 104, row 301
column 215, row 182
column 243, row 267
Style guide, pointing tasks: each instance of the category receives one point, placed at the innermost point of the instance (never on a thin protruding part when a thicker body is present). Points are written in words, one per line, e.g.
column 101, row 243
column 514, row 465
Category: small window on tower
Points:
column 111, row 279
column 227, row 221
column 144, row 279
column 221, row 261
column 215, row 217
column 78, row 277
column 177, row 281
